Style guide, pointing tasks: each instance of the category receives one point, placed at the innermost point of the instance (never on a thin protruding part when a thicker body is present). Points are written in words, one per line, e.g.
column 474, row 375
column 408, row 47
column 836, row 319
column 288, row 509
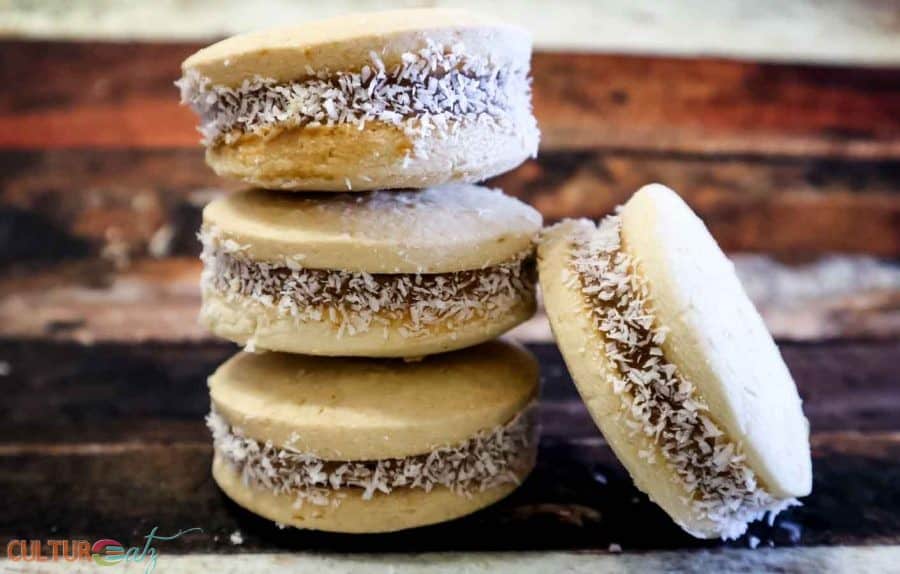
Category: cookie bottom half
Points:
column 261, row 328
column 399, row 510
column 379, row 156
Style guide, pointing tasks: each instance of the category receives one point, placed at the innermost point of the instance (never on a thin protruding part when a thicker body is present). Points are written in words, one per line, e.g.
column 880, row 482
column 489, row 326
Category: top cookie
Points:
column 406, row 98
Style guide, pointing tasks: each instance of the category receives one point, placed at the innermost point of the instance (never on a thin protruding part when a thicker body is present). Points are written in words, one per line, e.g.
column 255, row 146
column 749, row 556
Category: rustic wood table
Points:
column 796, row 168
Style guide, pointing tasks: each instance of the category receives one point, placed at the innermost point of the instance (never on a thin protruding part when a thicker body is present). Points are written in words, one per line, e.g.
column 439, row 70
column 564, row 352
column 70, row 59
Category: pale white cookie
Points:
column 385, row 274
column 373, row 445
column 675, row 364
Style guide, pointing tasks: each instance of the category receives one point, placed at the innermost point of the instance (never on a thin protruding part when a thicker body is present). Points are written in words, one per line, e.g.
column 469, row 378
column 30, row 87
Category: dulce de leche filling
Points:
column 426, row 92
column 657, row 402
column 493, row 457
column 356, row 302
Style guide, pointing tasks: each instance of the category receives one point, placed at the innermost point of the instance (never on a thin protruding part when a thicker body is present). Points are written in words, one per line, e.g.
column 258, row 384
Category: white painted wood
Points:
column 834, row 560
column 839, row 31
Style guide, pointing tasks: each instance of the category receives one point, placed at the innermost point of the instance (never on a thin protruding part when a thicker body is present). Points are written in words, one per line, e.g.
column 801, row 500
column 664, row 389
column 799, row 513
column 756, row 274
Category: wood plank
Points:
column 154, row 392
column 119, row 448
column 91, row 301
column 130, row 203
column 157, row 300
column 578, row 498
column 803, row 560
column 856, row 32
column 124, row 203
column 120, row 94
column 750, row 204
column 716, row 106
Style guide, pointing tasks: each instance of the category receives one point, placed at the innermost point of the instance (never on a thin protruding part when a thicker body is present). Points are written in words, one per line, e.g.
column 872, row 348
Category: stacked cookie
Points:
column 335, row 428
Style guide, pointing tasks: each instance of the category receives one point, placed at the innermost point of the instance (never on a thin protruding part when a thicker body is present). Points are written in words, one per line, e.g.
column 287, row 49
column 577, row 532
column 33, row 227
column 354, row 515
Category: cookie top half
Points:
column 449, row 228
column 717, row 338
column 346, row 43
column 371, row 409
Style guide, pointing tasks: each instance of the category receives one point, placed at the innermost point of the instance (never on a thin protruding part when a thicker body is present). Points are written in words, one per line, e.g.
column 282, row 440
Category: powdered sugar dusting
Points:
column 358, row 302
column 429, row 92
column 490, row 458
column 656, row 401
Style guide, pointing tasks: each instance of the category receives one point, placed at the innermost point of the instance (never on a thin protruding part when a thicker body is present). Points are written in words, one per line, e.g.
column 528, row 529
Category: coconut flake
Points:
column 356, row 302
column 656, row 400
column 491, row 458
column 433, row 90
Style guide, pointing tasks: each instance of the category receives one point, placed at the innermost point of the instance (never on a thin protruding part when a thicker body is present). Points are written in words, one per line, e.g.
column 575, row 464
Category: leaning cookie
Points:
column 369, row 445
column 378, row 274
column 675, row 364
column 409, row 98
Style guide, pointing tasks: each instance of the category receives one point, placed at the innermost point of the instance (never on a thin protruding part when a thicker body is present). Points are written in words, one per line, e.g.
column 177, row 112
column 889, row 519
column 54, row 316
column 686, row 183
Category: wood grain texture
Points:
column 120, row 448
column 863, row 33
column 750, row 204
column 716, row 106
column 121, row 95
column 577, row 498
column 798, row 560
column 91, row 300
column 114, row 393
column 136, row 202
column 103, row 367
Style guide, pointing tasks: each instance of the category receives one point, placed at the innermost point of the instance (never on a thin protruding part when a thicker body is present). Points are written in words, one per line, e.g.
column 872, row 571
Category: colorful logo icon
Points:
column 108, row 552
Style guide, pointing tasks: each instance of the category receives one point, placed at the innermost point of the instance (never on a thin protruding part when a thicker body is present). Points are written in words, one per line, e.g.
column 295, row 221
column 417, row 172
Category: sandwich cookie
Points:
column 373, row 445
column 407, row 98
column 378, row 274
column 675, row 364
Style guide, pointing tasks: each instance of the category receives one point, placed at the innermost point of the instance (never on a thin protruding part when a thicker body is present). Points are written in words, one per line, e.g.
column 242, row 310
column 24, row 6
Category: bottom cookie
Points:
column 373, row 445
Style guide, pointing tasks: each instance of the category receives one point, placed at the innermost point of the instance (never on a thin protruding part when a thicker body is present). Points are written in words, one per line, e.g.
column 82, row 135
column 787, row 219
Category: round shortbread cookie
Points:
column 455, row 227
column 363, row 409
column 675, row 364
column 407, row 98
column 352, row 445
column 374, row 274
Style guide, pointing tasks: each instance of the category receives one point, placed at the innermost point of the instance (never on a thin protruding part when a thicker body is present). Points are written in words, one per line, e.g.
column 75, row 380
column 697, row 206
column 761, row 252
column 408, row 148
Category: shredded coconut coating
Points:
column 490, row 458
column 413, row 303
column 430, row 90
column 656, row 400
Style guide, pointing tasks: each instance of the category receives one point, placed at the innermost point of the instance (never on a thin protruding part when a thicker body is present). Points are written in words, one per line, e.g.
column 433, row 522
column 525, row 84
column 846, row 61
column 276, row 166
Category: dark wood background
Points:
column 103, row 365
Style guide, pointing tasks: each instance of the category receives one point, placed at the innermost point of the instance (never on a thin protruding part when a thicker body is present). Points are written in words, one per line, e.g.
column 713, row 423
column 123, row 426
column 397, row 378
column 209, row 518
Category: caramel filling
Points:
column 427, row 90
column 415, row 304
column 492, row 458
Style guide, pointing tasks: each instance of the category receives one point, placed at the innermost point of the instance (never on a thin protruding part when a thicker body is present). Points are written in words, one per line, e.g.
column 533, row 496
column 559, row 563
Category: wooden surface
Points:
column 582, row 101
column 91, row 299
column 862, row 32
column 796, row 169
column 109, row 439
